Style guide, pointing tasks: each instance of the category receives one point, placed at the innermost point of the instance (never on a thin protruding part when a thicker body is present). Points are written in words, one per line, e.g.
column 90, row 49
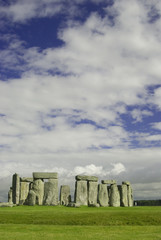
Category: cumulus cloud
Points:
column 68, row 104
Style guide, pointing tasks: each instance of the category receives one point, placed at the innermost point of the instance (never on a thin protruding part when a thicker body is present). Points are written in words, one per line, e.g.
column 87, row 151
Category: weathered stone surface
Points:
column 103, row 198
column 92, row 193
column 130, row 196
column 65, row 197
column 24, row 190
column 81, row 196
column 7, row 204
column 45, row 175
column 76, row 205
column 86, row 178
column 16, row 188
column 31, row 200
column 114, row 196
column 38, row 188
column 10, row 196
column 123, row 195
column 26, row 179
column 51, row 192
column 108, row 181
column 126, row 182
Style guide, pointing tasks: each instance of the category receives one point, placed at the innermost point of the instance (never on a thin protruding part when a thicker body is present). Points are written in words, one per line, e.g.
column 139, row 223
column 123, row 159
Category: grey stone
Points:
column 94, row 205
column 114, row 196
column 51, row 192
column 24, row 190
column 103, row 198
column 26, row 179
column 86, row 178
column 7, row 204
column 108, row 181
column 10, row 196
column 31, row 200
column 130, row 196
column 81, row 196
column 16, row 188
column 126, row 182
column 92, row 193
column 123, row 195
column 76, row 205
column 45, row 175
column 38, row 188
column 65, row 197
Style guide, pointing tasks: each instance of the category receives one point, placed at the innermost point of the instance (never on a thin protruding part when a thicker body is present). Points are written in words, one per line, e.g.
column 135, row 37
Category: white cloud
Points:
column 156, row 125
column 68, row 120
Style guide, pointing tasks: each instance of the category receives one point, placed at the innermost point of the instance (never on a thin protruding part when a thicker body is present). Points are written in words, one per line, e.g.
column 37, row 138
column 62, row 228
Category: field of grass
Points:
column 47, row 222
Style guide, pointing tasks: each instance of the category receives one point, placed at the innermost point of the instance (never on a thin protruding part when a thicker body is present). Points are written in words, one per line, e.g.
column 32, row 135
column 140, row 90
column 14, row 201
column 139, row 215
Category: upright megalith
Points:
column 81, row 195
column 31, row 200
column 86, row 190
column 123, row 195
column 103, row 197
column 114, row 196
column 65, row 197
column 24, row 190
column 92, row 193
column 10, row 196
column 51, row 192
column 15, row 188
column 130, row 196
column 38, row 188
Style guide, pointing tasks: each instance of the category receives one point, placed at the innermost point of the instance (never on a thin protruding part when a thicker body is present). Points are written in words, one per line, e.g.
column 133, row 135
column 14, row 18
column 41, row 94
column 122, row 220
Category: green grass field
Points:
column 47, row 222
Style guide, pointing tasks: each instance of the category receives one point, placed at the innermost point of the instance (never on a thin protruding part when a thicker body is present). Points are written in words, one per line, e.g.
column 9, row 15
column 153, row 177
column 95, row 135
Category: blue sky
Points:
column 80, row 90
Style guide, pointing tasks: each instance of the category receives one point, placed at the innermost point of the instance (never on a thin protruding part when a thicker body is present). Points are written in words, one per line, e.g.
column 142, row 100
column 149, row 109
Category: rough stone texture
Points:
column 130, row 196
column 65, row 197
column 76, row 205
column 123, row 195
column 45, row 175
column 108, row 181
column 26, row 179
column 126, row 182
column 24, row 190
column 51, row 192
column 10, row 196
column 31, row 200
column 92, row 193
column 38, row 188
column 86, row 178
column 7, row 204
column 81, row 196
column 103, row 198
column 15, row 188
column 114, row 196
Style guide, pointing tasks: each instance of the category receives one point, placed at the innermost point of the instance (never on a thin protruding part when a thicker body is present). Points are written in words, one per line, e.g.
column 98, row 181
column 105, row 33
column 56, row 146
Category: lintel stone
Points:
column 86, row 178
column 108, row 181
column 126, row 183
column 26, row 179
column 45, row 175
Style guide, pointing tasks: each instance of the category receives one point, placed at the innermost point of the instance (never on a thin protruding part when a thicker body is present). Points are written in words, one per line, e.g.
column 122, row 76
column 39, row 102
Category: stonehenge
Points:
column 42, row 189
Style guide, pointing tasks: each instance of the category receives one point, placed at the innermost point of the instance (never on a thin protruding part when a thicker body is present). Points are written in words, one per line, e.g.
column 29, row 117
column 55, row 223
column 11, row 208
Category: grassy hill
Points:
column 47, row 222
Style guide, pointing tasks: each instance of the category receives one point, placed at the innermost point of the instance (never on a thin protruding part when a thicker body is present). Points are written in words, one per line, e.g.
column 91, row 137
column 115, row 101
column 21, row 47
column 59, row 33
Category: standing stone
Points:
column 103, row 198
column 16, row 188
column 10, row 196
column 24, row 190
column 65, row 197
column 92, row 193
column 123, row 195
column 38, row 188
column 114, row 196
column 51, row 192
column 31, row 200
column 130, row 196
column 81, row 196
